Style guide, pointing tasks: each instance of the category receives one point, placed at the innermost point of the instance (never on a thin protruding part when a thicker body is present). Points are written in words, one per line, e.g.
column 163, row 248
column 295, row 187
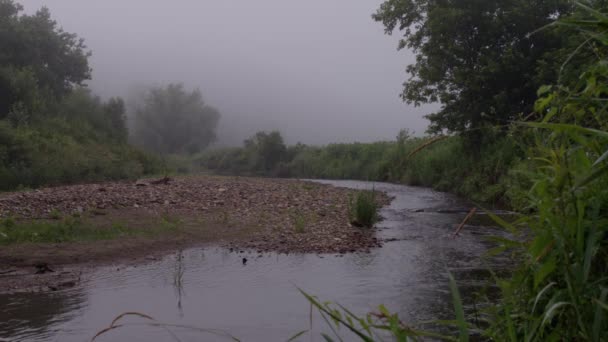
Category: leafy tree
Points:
column 108, row 119
column 37, row 58
column 267, row 149
column 172, row 120
column 478, row 58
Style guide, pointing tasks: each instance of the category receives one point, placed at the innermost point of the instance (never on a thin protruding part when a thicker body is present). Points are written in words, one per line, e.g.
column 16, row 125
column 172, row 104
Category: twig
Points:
column 468, row 217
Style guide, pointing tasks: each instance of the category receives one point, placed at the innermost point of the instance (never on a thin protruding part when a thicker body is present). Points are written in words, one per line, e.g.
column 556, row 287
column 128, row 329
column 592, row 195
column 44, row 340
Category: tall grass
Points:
column 560, row 290
column 363, row 209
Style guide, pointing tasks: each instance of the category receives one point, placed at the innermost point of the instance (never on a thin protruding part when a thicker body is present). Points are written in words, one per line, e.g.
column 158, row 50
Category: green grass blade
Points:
column 540, row 295
column 292, row 338
column 567, row 128
column 599, row 317
column 463, row 335
column 552, row 311
column 601, row 158
column 327, row 337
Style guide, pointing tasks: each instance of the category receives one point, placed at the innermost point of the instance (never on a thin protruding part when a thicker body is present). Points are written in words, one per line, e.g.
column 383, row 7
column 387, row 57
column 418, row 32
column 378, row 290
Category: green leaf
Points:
column 567, row 128
column 552, row 311
column 540, row 294
column 601, row 158
column 547, row 267
column 543, row 90
column 598, row 172
column 297, row 335
column 599, row 316
column 383, row 310
column 327, row 338
column 463, row 335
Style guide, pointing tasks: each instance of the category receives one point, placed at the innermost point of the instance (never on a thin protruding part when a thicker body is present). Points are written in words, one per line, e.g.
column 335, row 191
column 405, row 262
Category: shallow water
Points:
column 259, row 301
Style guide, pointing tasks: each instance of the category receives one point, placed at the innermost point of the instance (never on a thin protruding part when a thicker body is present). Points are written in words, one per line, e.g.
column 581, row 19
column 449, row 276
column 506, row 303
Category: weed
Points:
column 299, row 222
column 363, row 209
column 55, row 214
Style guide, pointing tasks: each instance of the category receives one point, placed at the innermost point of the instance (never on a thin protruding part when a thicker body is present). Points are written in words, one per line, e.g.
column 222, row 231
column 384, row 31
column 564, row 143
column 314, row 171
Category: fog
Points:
column 319, row 71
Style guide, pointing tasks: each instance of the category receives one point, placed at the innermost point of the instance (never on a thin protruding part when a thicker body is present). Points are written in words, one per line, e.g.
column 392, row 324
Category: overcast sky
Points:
column 319, row 71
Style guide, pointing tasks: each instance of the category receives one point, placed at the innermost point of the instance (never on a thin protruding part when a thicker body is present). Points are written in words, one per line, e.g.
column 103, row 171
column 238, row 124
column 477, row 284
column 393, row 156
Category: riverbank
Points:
column 123, row 221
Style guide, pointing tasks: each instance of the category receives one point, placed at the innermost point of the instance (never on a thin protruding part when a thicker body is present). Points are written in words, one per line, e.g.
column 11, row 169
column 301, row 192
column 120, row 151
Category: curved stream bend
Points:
column 212, row 288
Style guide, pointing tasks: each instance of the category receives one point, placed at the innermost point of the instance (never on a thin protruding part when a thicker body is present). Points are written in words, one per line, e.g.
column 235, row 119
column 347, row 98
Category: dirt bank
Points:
column 266, row 215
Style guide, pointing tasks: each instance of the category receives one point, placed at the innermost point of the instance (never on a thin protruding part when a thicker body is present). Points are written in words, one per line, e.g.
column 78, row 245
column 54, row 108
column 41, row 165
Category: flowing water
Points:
column 211, row 288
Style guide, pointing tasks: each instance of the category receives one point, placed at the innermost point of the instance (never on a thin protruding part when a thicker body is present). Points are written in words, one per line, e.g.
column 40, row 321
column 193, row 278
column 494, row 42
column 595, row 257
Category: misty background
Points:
column 318, row 71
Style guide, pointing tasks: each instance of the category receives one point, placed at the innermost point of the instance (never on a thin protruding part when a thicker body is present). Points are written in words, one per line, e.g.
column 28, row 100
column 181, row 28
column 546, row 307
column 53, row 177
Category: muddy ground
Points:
column 263, row 215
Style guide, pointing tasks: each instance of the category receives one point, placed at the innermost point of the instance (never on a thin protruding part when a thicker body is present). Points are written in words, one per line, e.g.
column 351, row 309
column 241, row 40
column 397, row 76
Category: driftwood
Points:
column 165, row 180
column 467, row 218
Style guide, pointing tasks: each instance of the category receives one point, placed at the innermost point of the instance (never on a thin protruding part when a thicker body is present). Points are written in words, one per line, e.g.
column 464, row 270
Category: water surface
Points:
column 259, row 301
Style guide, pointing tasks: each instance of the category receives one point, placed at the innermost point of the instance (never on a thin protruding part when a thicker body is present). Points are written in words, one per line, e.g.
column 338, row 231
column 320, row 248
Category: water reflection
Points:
column 39, row 315
column 178, row 280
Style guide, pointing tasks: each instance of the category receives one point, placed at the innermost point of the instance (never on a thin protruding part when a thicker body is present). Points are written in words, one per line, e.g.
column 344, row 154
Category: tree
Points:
column 478, row 58
column 171, row 120
column 266, row 149
column 37, row 58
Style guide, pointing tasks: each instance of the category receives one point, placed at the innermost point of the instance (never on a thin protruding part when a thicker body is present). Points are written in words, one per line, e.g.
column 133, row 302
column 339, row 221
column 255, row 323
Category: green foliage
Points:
column 446, row 165
column 170, row 120
column 266, row 150
column 51, row 130
column 37, row 58
column 55, row 151
column 560, row 289
column 477, row 58
column 363, row 209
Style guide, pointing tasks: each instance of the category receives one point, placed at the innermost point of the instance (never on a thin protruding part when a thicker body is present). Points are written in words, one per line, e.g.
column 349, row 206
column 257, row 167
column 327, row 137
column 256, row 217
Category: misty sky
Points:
column 319, row 71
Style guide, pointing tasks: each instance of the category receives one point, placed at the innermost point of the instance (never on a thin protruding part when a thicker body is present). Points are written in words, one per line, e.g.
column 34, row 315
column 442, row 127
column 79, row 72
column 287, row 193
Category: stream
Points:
column 211, row 288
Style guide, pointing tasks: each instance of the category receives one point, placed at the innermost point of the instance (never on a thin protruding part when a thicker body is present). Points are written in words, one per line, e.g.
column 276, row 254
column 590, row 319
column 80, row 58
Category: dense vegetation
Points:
column 446, row 164
column 52, row 129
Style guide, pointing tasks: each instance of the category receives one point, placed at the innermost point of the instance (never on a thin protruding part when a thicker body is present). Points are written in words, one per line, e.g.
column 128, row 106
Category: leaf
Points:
column 504, row 224
column 601, row 304
column 544, row 271
column 601, row 158
column 463, row 335
column 327, row 338
column 384, row 310
column 566, row 127
column 543, row 90
column 592, row 176
column 540, row 294
column 297, row 335
column 551, row 312
column 323, row 309
column 599, row 316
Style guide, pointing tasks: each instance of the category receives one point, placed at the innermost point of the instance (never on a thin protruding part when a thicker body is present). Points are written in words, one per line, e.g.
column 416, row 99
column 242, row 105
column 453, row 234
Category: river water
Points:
column 211, row 288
